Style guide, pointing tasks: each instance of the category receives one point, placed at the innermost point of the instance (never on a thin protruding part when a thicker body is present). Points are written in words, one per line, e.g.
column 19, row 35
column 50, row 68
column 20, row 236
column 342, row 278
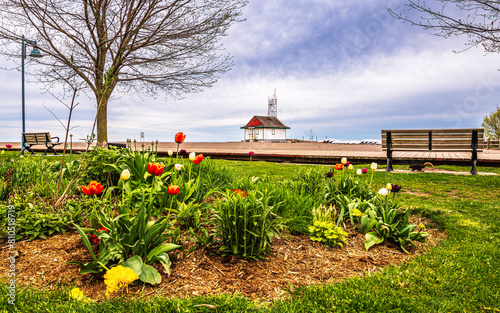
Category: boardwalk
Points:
column 312, row 152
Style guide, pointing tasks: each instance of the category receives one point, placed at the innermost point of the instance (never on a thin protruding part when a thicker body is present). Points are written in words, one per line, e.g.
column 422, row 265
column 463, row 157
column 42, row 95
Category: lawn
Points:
column 459, row 274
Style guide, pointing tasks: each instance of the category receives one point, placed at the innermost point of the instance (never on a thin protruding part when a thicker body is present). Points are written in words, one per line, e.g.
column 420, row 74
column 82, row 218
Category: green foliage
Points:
column 128, row 235
column 328, row 234
column 35, row 221
column 388, row 222
column 491, row 124
column 324, row 229
column 246, row 225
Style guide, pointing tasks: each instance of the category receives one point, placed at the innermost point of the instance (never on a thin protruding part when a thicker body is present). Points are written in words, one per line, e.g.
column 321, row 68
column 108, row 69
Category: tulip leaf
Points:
column 135, row 263
column 164, row 248
column 371, row 239
column 150, row 275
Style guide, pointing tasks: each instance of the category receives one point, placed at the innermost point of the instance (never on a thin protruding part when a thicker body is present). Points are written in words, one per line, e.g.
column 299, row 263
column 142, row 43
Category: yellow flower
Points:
column 78, row 295
column 170, row 152
column 125, row 175
column 343, row 161
column 2, row 152
column 118, row 277
column 350, row 167
column 389, row 187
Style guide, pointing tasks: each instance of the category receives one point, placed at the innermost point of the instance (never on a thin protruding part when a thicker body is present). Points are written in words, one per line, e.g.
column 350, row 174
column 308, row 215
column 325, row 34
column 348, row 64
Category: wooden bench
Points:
column 447, row 140
column 33, row 139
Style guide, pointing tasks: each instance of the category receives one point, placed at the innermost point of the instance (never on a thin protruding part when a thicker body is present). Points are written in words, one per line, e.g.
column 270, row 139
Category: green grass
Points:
column 461, row 274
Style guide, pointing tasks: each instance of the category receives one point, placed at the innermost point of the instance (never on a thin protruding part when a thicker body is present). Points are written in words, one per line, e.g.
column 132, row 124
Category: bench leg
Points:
column 50, row 149
column 389, row 161
column 474, row 169
column 29, row 149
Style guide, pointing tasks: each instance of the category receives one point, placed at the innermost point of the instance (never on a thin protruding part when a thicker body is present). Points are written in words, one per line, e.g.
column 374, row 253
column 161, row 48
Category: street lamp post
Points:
column 36, row 54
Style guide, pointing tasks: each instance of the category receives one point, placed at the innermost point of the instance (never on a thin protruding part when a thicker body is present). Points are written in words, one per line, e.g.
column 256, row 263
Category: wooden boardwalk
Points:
column 312, row 152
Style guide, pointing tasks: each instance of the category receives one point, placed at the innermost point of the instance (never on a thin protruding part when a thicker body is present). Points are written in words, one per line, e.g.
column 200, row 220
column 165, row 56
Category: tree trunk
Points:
column 102, row 120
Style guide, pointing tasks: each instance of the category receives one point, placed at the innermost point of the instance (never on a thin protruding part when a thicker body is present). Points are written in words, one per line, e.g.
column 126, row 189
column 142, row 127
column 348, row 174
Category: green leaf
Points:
column 164, row 248
column 86, row 241
column 135, row 263
column 372, row 239
column 164, row 260
column 150, row 275
column 366, row 224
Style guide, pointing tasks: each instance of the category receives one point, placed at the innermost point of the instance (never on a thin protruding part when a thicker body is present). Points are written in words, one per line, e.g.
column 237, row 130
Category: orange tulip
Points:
column 93, row 188
column 173, row 190
column 197, row 160
column 179, row 137
column 339, row 167
column 155, row 169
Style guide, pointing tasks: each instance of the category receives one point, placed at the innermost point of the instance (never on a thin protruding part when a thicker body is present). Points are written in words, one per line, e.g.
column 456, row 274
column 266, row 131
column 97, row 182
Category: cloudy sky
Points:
column 345, row 69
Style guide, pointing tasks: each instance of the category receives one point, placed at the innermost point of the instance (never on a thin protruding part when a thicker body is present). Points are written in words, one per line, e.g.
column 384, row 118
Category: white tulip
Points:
column 359, row 172
column 192, row 156
column 178, row 167
column 170, row 152
column 383, row 192
column 374, row 166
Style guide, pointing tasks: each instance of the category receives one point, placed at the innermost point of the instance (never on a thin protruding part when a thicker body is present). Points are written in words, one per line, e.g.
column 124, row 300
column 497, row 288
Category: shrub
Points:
column 324, row 229
column 246, row 225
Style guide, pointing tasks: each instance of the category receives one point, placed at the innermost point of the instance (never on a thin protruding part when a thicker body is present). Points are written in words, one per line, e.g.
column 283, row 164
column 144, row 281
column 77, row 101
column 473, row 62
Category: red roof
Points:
column 265, row 122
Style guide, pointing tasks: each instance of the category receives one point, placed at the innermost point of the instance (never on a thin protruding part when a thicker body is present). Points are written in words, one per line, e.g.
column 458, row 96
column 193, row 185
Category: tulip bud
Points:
column 125, row 175
column 388, row 187
column 359, row 172
column 170, row 152
column 192, row 156
column 343, row 160
column 374, row 166
column 178, row 167
column 383, row 192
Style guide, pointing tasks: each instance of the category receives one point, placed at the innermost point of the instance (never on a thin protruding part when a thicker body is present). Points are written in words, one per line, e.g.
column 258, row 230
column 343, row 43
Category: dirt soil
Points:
column 295, row 261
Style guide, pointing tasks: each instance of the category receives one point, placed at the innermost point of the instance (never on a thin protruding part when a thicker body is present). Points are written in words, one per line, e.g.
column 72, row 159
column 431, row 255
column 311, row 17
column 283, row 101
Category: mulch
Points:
column 293, row 262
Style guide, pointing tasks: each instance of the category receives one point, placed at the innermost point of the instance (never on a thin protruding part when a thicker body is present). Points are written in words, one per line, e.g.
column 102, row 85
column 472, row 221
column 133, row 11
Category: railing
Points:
column 492, row 143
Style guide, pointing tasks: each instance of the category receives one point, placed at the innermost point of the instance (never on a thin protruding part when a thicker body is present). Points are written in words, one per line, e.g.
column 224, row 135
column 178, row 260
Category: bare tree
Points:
column 310, row 134
column 139, row 46
column 479, row 20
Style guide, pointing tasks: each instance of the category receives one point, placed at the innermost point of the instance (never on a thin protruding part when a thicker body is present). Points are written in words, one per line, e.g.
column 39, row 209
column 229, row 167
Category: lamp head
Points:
column 35, row 53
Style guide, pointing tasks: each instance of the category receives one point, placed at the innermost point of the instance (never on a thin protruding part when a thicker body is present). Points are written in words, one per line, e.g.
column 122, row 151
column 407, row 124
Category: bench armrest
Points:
column 54, row 137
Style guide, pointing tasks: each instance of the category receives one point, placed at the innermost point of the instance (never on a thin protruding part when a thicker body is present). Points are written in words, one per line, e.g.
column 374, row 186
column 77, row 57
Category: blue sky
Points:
column 344, row 69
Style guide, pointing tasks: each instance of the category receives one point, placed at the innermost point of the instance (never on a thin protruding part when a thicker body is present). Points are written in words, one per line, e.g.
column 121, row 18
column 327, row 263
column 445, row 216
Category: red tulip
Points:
column 243, row 194
column 179, row 137
column 173, row 190
column 155, row 169
column 8, row 145
column 93, row 188
column 94, row 237
column 339, row 167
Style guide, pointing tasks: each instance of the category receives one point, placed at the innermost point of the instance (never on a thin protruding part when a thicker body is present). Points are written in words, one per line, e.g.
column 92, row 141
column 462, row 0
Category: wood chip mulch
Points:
column 294, row 261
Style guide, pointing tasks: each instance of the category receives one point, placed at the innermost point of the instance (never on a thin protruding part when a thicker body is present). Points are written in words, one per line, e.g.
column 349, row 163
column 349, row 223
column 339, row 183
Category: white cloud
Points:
column 344, row 69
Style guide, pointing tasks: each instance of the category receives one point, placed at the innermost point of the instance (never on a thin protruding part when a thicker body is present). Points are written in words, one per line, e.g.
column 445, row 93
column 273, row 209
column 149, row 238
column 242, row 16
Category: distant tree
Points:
column 479, row 20
column 310, row 134
column 138, row 46
column 491, row 124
